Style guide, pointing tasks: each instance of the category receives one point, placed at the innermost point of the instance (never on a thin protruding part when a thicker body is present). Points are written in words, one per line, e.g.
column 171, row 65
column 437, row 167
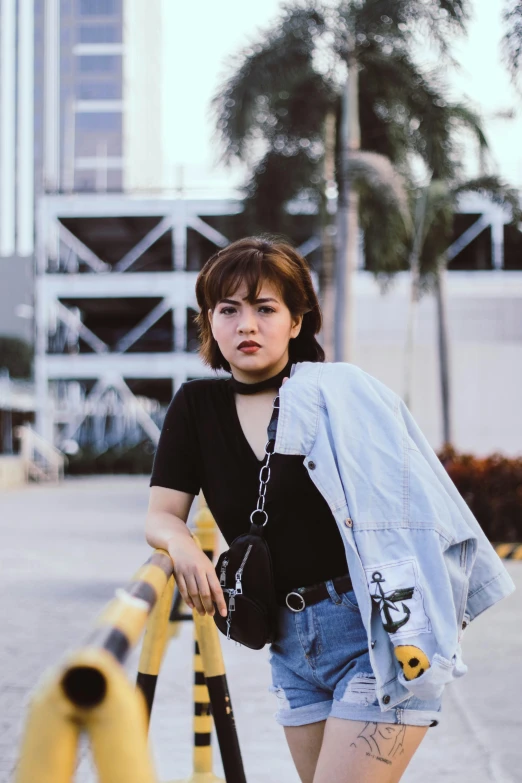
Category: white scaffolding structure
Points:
column 68, row 269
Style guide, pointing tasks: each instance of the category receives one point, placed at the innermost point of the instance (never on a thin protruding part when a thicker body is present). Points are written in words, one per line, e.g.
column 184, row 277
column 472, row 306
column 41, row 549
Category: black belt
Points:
column 301, row 597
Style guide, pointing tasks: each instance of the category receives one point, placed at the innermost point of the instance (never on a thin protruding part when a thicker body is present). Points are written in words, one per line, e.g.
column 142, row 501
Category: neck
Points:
column 257, row 376
column 274, row 380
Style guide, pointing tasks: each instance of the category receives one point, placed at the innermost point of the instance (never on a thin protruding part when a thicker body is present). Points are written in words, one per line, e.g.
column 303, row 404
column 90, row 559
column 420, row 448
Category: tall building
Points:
column 80, row 111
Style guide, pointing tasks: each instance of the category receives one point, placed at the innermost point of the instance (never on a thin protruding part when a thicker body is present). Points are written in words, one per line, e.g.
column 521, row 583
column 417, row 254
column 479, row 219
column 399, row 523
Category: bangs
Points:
column 252, row 269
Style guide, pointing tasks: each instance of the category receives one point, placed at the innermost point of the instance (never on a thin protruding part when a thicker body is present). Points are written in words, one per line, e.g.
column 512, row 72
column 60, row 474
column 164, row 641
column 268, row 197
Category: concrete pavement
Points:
column 63, row 552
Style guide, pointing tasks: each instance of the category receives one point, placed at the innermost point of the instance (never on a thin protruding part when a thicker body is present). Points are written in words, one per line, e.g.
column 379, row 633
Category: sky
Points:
column 199, row 36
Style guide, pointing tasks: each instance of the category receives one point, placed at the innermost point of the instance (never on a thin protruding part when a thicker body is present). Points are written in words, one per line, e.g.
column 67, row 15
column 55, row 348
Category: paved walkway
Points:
column 63, row 552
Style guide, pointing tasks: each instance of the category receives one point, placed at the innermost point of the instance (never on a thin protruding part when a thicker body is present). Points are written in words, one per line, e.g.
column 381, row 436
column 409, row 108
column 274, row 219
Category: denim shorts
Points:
column 321, row 668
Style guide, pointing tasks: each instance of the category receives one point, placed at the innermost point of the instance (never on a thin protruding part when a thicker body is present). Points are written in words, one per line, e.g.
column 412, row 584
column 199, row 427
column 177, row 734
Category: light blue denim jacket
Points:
column 420, row 564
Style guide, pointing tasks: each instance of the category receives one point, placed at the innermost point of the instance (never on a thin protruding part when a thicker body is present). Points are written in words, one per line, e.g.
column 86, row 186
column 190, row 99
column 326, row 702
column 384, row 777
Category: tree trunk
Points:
column 347, row 220
column 443, row 346
column 326, row 277
column 420, row 214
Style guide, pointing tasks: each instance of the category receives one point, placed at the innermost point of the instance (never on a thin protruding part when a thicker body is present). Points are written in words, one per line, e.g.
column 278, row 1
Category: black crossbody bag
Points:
column 245, row 571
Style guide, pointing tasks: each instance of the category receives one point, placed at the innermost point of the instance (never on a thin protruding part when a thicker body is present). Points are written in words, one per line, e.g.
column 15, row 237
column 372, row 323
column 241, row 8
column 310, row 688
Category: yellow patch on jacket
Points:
column 413, row 660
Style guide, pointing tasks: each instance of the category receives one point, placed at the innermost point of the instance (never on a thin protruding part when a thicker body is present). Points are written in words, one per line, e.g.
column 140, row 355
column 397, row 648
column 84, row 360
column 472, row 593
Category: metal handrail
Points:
column 89, row 691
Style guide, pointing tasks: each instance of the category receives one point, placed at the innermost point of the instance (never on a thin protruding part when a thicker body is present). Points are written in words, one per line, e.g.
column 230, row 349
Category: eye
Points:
column 225, row 310
column 266, row 307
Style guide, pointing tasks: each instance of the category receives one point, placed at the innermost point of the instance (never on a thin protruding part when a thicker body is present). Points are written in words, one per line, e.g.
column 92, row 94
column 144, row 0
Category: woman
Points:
column 378, row 562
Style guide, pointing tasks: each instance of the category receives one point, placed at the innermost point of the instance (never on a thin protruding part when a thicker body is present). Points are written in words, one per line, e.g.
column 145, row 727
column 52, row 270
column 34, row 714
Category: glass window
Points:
column 91, row 144
column 99, row 63
column 114, row 180
column 85, row 180
column 99, row 7
column 93, row 121
column 100, row 33
column 98, row 181
column 99, row 90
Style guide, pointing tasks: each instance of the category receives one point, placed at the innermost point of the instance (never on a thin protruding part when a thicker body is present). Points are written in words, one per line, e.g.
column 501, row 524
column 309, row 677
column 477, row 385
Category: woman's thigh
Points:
column 305, row 745
column 364, row 752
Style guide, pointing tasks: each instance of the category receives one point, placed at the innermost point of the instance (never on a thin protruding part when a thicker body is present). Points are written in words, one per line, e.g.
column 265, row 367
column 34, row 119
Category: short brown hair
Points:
column 254, row 260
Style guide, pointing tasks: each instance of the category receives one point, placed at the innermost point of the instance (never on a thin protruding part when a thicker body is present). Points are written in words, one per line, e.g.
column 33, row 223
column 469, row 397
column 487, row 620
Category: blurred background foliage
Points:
column 492, row 488
column 16, row 356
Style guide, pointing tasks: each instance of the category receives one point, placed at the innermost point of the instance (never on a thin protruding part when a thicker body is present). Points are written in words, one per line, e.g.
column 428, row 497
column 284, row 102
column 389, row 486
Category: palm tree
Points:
column 512, row 40
column 452, row 117
column 440, row 200
column 356, row 24
column 350, row 62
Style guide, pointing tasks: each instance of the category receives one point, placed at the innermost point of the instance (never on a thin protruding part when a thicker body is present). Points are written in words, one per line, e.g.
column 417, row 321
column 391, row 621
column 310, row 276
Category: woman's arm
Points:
column 165, row 528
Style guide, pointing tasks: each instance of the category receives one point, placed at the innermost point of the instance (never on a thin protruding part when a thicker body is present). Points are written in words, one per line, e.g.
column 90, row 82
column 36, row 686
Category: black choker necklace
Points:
column 275, row 382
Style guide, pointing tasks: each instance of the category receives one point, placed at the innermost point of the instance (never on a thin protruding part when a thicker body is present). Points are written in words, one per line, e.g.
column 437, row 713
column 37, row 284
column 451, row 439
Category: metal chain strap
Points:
column 264, row 473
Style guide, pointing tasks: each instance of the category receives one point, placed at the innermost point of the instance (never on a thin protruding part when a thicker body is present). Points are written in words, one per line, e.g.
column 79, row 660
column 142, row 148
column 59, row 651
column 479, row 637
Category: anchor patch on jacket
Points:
column 388, row 602
column 395, row 588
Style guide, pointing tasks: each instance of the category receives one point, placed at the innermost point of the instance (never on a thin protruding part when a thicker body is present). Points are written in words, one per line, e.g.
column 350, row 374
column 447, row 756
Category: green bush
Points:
column 492, row 488
column 17, row 356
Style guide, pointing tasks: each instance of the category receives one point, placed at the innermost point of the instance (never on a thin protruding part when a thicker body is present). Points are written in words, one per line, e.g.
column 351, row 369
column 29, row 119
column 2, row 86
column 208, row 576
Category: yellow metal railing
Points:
column 90, row 691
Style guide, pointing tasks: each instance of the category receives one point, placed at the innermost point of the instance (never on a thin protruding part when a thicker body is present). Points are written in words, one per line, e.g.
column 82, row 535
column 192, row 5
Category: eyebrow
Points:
column 235, row 302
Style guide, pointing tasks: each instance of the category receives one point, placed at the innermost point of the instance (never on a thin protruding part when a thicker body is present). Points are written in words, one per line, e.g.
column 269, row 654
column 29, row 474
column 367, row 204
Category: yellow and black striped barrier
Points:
column 509, row 551
column 90, row 692
column 216, row 683
column 154, row 644
column 202, row 716
column 202, row 753
column 211, row 696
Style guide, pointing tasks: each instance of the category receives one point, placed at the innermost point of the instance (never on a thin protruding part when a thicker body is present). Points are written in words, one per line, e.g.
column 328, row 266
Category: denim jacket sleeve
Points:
column 456, row 572
column 489, row 581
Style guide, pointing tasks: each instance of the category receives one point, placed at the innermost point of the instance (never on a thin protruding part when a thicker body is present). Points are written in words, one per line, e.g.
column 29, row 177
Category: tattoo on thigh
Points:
column 383, row 741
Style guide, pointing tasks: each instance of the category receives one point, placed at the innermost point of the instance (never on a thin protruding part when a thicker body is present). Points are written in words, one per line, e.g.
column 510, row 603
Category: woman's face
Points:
column 268, row 323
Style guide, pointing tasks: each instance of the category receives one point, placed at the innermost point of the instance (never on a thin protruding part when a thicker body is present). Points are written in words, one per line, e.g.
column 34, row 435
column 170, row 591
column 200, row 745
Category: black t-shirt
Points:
column 202, row 446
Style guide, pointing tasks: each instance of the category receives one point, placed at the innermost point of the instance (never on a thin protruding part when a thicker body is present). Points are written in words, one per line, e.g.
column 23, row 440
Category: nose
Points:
column 247, row 323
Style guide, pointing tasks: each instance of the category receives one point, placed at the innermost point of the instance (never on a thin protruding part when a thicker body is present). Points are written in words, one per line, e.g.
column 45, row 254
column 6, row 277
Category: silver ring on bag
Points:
column 291, row 607
column 259, row 511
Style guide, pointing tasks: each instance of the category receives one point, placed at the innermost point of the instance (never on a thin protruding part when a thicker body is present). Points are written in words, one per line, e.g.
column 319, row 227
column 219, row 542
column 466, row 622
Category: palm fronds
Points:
column 512, row 40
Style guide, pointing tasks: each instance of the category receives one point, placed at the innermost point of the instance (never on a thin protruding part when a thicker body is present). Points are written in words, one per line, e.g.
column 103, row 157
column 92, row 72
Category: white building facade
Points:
column 80, row 111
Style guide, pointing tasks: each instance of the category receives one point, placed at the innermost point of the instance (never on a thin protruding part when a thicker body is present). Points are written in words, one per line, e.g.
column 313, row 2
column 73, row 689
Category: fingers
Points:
column 217, row 594
column 193, row 591
column 204, row 593
column 200, row 589
column 182, row 587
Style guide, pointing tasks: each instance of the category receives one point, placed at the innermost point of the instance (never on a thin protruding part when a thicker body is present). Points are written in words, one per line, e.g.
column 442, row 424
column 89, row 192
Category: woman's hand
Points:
column 195, row 577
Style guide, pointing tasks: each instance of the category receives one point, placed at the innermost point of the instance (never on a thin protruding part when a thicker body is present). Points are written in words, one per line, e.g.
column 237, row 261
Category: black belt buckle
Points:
column 297, row 595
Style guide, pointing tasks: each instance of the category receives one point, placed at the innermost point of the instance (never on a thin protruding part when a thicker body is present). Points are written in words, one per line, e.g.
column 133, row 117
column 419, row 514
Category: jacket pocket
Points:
column 431, row 684
column 395, row 589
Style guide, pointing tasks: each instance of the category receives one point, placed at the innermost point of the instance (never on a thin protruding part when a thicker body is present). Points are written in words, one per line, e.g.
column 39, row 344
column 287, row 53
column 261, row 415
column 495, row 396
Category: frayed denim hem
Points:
column 301, row 716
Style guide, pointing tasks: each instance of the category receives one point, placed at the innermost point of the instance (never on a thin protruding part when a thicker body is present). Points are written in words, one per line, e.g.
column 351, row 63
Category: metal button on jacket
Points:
column 386, row 699
column 348, row 522
column 311, row 465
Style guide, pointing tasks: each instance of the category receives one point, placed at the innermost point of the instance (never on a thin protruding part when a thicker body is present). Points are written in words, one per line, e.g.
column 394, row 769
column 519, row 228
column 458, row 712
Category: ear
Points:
column 296, row 327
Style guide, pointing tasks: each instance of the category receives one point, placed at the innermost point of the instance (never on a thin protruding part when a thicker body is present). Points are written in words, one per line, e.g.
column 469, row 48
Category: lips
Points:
column 248, row 344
